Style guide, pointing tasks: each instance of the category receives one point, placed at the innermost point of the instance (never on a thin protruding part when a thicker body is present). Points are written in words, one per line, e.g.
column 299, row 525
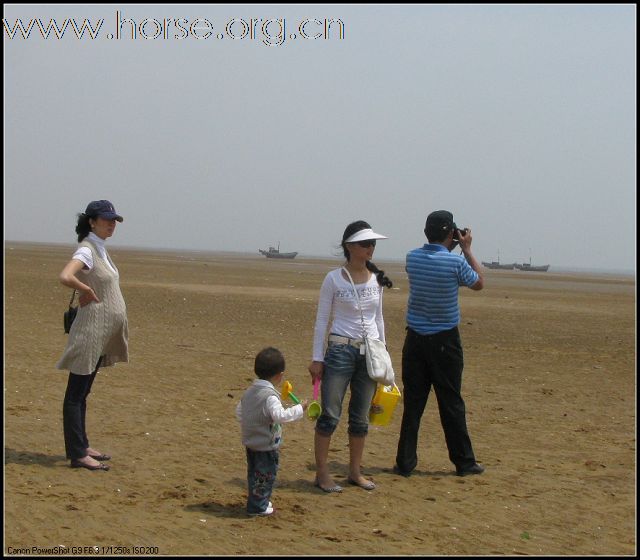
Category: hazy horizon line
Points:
column 394, row 260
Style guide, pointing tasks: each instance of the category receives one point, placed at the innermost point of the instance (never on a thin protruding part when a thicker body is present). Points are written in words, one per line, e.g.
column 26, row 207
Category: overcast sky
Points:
column 520, row 119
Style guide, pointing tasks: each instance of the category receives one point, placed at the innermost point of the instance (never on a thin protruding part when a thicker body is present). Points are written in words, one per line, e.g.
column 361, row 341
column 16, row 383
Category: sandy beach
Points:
column 549, row 384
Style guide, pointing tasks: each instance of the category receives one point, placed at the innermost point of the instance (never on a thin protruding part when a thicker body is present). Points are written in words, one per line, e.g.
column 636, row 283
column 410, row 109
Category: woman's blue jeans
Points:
column 344, row 367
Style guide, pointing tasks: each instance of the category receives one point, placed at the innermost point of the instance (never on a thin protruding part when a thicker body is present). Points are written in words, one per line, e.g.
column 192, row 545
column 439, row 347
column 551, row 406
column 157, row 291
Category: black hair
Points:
column 83, row 228
column 382, row 279
column 269, row 362
column 352, row 228
column 436, row 234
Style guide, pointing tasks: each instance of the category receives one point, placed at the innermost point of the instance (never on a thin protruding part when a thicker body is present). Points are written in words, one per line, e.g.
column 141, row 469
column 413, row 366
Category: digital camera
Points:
column 456, row 234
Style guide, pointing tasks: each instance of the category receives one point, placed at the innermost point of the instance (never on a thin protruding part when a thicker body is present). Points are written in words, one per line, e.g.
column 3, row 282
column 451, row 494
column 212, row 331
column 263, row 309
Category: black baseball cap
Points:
column 440, row 220
column 102, row 209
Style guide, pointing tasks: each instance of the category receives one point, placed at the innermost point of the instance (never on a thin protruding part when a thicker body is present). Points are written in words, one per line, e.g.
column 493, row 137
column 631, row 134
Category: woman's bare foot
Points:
column 361, row 481
column 98, row 455
column 88, row 461
column 326, row 483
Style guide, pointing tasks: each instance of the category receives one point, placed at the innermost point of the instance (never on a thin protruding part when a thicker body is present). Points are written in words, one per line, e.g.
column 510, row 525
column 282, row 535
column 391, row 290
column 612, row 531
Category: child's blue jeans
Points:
column 262, row 467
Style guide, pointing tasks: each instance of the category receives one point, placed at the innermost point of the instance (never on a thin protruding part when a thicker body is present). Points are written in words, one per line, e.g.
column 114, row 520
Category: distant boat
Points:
column 496, row 265
column 274, row 253
column 531, row 268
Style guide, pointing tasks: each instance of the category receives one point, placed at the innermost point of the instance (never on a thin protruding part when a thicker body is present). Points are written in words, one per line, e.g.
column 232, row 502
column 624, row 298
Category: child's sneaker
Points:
column 270, row 509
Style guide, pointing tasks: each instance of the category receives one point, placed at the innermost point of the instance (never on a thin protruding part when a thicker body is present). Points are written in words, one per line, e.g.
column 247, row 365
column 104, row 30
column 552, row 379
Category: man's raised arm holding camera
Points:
column 463, row 238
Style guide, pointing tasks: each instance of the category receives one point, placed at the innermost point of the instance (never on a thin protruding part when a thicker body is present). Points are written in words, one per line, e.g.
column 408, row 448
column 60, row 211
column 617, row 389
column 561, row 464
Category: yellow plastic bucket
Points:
column 383, row 404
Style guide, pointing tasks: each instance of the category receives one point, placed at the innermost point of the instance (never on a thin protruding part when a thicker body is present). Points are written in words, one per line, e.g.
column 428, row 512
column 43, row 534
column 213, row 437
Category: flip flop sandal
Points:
column 369, row 485
column 332, row 489
column 78, row 465
column 102, row 457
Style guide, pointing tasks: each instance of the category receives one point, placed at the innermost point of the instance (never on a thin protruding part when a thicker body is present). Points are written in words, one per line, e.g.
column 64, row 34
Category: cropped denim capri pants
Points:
column 344, row 367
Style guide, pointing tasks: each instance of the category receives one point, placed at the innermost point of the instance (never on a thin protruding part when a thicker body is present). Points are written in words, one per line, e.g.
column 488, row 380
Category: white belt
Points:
column 355, row 342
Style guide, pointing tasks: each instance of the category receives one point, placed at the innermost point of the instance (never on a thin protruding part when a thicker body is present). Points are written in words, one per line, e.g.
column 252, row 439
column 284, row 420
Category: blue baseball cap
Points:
column 102, row 209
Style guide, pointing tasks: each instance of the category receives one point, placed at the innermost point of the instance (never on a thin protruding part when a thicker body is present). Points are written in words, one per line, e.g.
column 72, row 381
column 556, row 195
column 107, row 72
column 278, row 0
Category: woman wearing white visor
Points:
column 343, row 364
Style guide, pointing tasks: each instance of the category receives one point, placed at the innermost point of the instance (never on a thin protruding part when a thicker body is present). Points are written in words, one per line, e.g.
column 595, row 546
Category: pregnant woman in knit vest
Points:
column 99, row 334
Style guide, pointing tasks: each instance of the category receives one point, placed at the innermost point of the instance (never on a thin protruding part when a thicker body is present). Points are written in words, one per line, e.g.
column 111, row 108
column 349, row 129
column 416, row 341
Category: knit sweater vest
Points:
column 100, row 328
column 259, row 432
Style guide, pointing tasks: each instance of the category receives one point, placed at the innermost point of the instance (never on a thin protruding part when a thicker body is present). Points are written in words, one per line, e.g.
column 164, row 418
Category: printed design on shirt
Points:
column 262, row 483
column 276, row 433
column 370, row 292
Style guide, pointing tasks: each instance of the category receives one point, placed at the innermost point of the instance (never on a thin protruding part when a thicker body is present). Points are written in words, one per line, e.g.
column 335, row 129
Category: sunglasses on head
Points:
column 367, row 243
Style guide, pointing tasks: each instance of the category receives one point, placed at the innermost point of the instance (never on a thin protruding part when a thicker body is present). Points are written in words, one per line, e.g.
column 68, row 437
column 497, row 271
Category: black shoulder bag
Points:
column 70, row 314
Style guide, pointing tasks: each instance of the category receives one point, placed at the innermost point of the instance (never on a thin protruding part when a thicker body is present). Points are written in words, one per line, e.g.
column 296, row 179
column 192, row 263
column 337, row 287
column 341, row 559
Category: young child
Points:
column 260, row 413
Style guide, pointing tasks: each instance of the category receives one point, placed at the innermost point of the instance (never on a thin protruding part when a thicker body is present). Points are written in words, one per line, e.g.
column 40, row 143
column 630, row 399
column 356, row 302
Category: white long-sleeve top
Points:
column 337, row 299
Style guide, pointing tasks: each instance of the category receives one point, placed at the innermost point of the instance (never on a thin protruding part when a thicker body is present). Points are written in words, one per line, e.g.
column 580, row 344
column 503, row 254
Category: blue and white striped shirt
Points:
column 435, row 275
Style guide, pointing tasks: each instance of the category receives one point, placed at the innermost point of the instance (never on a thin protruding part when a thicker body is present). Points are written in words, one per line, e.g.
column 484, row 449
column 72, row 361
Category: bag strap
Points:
column 364, row 330
column 73, row 295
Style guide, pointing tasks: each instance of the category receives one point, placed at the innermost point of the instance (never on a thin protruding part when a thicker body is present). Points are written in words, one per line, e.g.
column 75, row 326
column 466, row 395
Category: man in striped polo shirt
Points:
column 432, row 353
